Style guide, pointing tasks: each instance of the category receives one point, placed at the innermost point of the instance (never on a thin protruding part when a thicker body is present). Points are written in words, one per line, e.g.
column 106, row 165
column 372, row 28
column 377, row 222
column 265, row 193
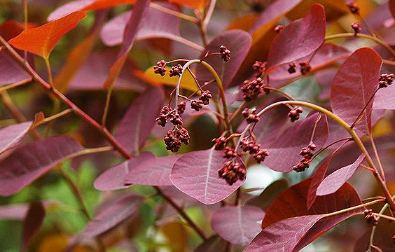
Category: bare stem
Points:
column 174, row 13
column 191, row 223
column 365, row 36
column 54, row 117
column 354, row 208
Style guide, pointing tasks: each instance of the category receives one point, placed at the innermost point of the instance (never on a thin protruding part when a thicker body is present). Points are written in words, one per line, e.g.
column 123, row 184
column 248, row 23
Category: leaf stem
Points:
column 14, row 85
column 353, row 208
column 174, row 13
column 365, row 36
column 54, row 117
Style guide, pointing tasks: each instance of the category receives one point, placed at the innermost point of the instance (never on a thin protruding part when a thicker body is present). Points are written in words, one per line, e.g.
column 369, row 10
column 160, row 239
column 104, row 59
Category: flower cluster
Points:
column 232, row 171
column 356, row 27
column 307, row 154
column 278, row 28
column 294, row 114
column 252, row 88
column 370, row 217
column 386, row 80
column 259, row 68
column 160, row 67
column 249, row 145
column 175, row 70
column 353, row 7
column 250, row 116
column 178, row 134
column 304, row 67
column 225, row 53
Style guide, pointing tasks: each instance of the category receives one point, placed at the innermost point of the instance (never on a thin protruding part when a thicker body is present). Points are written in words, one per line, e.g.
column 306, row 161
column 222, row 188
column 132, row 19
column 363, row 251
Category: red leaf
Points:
column 270, row 193
column 138, row 121
column 113, row 214
column 32, row 160
column 197, row 4
column 196, row 174
column 354, row 84
column 292, row 140
column 10, row 72
column 32, row 224
column 337, row 179
column 12, row 135
column 299, row 39
column 238, row 42
column 289, row 226
column 384, row 98
column 153, row 172
column 156, row 24
column 113, row 178
column 46, row 37
column 237, row 224
column 292, row 202
column 391, row 5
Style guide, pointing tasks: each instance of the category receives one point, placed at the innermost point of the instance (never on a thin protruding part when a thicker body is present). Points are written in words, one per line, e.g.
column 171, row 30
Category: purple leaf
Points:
column 270, row 193
column 32, row 224
column 68, row 8
column 93, row 74
column 384, row 98
column 132, row 27
column 32, row 160
column 156, row 24
column 325, row 56
column 136, row 125
column 12, row 135
column 289, row 213
column 237, row 224
column 273, row 13
column 238, row 42
column 354, row 85
column 292, row 140
column 10, row 72
column 299, row 39
column 113, row 178
column 283, row 235
column 196, row 174
column 153, row 172
column 13, row 212
column 113, row 214
column 271, row 124
column 335, row 180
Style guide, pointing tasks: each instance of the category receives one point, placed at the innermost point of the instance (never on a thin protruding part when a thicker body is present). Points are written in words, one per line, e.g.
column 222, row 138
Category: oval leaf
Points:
column 112, row 215
column 32, row 224
column 299, row 39
column 156, row 24
column 354, row 85
column 237, row 224
column 12, row 135
column 196, row 174
column 113, row 178
column 32, row 160
column 10, row 72
column 238, row 42
column 335, row 180
column 46, row 37
column 138, row 121
column 153, row 172
column 292, row 140
column 289, row 213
